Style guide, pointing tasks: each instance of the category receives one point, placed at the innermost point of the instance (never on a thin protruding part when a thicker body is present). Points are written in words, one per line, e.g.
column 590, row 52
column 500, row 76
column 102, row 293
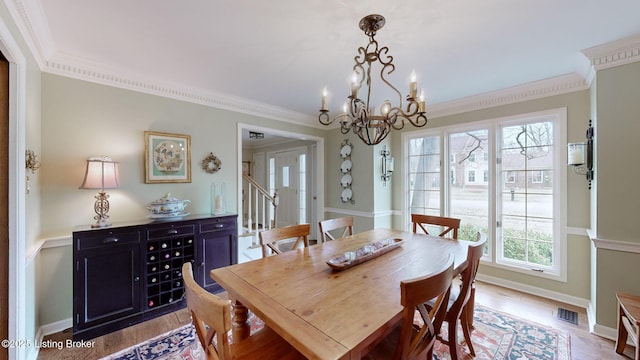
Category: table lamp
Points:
column 101, row 173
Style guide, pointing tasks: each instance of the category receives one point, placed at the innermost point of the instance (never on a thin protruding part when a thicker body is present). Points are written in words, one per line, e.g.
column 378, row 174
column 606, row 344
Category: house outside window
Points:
column 516, row 202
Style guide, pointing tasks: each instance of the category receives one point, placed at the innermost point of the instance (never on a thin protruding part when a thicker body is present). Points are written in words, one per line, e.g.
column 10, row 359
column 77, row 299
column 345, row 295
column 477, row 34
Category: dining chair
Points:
column 269, row 239
column 459, row 302
column 211, row 316
column 344, row 223
column 446, row 224
column 409, row 340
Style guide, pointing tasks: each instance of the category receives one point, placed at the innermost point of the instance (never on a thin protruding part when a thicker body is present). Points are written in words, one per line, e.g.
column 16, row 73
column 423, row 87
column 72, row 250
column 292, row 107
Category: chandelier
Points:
column 360, row 115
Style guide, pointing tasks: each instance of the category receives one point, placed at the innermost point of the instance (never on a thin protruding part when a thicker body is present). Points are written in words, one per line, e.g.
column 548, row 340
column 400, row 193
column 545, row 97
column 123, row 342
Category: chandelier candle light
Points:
column 359, row 115
column 101, row 173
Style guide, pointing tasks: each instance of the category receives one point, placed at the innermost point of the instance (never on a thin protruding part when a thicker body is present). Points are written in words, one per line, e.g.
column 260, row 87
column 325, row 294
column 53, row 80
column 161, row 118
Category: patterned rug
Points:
column 496, row 336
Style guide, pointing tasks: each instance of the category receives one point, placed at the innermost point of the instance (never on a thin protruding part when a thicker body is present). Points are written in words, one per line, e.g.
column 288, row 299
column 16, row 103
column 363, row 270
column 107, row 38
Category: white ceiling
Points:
column 283, row 52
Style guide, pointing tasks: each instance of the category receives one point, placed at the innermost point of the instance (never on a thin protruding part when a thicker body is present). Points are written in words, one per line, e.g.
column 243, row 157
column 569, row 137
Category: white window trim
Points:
column 558, row 115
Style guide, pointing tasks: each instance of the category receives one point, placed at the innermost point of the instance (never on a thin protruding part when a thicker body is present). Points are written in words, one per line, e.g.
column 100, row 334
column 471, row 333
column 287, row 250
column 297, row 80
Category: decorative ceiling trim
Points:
column 33, row 26
column 535, row 90
column 615, row 53
column 92, row 73
column 37, row 37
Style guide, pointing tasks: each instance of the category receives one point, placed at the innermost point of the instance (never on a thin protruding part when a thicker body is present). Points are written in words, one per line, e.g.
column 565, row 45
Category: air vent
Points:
column 568, row 316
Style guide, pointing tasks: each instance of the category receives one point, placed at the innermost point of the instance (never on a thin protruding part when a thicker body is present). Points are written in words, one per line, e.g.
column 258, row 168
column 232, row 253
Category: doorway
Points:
column 296, row 159
column 289, row 180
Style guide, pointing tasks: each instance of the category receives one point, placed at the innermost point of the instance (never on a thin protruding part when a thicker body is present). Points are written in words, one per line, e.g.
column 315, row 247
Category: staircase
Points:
column 258, row 213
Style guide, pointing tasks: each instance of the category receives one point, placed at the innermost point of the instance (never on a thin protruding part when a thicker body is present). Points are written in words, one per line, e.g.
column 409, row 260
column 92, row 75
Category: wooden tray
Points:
column 365, row 253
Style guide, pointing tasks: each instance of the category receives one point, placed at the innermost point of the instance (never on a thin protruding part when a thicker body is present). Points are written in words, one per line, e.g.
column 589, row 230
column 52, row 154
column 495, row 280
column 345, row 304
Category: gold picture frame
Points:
column 167, row 158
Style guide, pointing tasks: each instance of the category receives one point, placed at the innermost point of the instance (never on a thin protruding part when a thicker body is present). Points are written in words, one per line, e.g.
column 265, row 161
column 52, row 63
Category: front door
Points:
column 286, row 178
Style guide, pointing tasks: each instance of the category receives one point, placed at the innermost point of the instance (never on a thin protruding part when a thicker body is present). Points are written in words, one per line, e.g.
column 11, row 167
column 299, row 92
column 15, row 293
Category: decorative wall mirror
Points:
column 346, row 196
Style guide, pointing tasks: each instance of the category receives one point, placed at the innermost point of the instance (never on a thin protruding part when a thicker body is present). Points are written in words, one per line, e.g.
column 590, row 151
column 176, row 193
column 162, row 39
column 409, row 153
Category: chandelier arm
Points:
column 324, row 118
column 360, row 117
column 388, row 68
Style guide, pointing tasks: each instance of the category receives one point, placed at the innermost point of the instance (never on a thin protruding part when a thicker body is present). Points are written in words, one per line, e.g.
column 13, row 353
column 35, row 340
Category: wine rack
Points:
column 166, row 251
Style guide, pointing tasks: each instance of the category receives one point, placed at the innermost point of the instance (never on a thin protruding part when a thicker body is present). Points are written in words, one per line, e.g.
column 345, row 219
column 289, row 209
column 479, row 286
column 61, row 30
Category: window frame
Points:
column 559, row 118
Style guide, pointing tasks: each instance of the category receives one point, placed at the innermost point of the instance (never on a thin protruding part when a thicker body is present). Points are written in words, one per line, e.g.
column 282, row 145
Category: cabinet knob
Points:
column 218, row 226
column 172, row 231
column 136, row 279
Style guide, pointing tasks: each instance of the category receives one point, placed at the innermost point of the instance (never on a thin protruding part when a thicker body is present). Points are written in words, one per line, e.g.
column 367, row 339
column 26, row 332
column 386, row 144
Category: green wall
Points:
column 617, row 126
column 81, row 119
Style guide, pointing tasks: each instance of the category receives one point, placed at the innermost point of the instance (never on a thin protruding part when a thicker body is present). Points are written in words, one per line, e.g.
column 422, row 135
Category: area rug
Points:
column 496, row 336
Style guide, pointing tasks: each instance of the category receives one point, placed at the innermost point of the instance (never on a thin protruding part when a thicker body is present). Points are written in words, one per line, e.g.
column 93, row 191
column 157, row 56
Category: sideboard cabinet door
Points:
column 218, row 244
column 107, row 284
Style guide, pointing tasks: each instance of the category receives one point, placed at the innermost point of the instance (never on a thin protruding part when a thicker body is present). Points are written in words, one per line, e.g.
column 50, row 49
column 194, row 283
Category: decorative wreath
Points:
column 211, row 163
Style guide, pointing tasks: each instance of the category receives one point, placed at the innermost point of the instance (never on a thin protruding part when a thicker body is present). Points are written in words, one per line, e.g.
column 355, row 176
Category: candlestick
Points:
column 354, row 85
column 421, row 102
column 413, row 85
column 324, row 99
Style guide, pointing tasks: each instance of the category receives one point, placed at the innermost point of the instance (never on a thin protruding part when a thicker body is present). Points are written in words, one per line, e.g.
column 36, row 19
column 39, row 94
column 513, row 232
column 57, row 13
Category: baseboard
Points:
column 594, row 328
column 547, row 294
column 606, row 332
column 601, row 330
column 54, row 327
column 33, row 351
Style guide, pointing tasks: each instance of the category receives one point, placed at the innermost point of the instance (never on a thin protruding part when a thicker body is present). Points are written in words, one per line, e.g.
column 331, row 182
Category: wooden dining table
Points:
column 329, row 314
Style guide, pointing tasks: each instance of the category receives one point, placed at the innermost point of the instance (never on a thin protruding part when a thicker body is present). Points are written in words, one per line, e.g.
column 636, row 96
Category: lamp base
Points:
column 101, row 208
column 101, row 223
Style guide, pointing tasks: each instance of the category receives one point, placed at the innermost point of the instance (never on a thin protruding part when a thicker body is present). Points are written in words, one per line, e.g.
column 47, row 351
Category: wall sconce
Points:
column 32, row 164
column 578, row 152
column 387, row 165
column 31, row 160
column 101, row 173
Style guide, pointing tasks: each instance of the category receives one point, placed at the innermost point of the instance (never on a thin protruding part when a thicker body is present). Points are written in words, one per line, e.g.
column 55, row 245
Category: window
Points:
column 505, row 180
column 424, row 160
column 537, row 177
column 471, row 177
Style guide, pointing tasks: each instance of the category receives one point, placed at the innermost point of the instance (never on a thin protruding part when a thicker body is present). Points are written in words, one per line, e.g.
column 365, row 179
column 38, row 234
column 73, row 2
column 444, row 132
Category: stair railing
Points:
column 260, row 204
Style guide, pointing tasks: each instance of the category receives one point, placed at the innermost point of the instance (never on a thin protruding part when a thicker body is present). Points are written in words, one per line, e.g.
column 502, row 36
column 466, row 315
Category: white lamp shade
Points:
column 101, row 173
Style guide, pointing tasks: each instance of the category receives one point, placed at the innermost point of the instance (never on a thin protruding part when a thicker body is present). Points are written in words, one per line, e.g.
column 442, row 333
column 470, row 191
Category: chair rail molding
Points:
column 615, row 245
column 363, row 214
column 47, row 243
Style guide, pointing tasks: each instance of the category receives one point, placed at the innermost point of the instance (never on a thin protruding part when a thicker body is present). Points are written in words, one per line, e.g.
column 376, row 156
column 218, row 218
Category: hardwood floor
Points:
column 584, row 346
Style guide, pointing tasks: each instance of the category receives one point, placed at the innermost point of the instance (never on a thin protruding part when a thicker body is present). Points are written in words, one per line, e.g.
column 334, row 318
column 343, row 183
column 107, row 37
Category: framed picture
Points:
column 167, row 158
column 246, row 168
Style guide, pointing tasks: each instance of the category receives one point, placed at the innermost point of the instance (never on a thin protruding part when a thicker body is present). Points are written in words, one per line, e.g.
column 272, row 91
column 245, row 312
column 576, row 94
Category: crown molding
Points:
column 615, row 53
column 33, row 26
column 534, row 90
column 85, row 70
